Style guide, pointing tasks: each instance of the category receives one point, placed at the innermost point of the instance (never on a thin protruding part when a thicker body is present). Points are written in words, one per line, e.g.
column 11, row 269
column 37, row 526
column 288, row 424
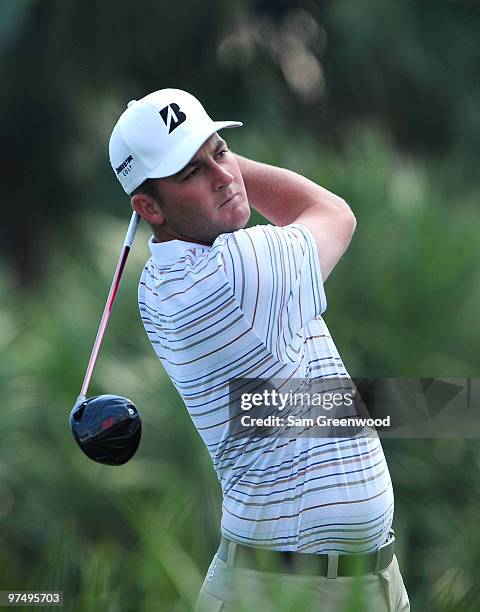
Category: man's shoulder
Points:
column 263, row 234
column 269, row 253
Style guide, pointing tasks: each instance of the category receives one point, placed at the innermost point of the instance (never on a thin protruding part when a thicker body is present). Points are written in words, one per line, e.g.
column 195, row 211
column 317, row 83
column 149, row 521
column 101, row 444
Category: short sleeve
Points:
column 275, row 276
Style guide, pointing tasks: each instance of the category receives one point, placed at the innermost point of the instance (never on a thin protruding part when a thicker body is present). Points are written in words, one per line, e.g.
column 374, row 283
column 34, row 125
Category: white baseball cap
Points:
column 158, row 135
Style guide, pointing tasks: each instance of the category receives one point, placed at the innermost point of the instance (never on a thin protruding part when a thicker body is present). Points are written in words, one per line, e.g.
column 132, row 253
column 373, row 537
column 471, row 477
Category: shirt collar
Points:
column 165, row 254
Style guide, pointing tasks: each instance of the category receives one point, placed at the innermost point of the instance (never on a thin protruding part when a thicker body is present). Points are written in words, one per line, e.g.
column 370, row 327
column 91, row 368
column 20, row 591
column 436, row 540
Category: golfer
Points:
column 219, row 302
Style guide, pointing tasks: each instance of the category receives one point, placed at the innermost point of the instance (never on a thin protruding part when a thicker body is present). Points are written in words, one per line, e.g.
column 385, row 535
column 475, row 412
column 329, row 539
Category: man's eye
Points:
column 191, row 174
column 221, row 153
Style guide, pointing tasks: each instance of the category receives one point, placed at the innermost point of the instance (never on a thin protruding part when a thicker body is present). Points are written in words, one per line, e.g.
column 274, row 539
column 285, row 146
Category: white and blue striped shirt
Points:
column 250, row 306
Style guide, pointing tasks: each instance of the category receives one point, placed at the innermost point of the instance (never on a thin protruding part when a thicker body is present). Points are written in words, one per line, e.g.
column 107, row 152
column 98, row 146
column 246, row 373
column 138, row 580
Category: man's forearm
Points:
column 281, row 195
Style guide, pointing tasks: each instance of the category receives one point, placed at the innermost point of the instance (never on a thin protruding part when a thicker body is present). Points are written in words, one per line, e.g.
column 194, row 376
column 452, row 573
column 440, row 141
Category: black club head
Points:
column 107, row 428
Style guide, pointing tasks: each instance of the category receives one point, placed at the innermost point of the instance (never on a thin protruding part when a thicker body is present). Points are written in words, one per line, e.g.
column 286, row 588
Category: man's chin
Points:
column 241, row 215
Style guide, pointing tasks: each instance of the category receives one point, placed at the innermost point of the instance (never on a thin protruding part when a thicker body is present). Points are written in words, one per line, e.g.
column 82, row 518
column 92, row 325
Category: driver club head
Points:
column 107, row 428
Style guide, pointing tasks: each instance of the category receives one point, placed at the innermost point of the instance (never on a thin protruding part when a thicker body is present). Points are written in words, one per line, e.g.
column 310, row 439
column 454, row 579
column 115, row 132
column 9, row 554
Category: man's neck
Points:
column 168, row 236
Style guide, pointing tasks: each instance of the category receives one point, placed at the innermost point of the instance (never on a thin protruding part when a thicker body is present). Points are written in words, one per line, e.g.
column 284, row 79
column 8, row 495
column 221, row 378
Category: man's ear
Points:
column 148, row 208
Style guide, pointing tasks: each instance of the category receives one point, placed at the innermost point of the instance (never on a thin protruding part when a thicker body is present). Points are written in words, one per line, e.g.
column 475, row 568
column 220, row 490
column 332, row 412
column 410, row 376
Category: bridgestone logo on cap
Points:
column 172, row 116
column 124, row 164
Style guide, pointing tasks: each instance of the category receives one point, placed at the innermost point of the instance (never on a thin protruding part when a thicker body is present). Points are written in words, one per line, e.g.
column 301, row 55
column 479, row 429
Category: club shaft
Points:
column 132, row 228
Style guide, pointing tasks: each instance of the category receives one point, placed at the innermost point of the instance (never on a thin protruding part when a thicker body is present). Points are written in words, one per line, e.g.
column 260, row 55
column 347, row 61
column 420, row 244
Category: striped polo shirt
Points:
column 249, row 306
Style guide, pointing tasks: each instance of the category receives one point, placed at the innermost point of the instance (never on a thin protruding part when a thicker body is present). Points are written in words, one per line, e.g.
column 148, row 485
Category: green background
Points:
column 377, row 101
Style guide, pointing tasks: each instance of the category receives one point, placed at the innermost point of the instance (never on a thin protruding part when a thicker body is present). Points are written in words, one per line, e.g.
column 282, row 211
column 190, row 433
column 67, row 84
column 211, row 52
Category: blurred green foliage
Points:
column 377, row 101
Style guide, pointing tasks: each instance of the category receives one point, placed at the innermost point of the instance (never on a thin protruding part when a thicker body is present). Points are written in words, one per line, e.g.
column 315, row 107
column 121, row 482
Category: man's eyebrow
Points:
column 220, row 143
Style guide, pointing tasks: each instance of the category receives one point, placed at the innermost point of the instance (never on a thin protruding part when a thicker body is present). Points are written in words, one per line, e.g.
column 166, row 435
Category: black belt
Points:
column 329, row 566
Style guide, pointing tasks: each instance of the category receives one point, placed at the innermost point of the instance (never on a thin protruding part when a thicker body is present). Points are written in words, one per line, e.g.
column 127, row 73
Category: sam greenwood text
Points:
column 321, row 421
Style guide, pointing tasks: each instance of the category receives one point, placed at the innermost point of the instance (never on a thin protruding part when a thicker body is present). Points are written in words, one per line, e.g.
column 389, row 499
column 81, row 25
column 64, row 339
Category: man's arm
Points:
column 285, row 197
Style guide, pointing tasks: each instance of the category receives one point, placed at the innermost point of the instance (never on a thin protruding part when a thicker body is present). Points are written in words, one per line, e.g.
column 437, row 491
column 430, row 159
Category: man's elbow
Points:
column 352, row 221
column 349, row 221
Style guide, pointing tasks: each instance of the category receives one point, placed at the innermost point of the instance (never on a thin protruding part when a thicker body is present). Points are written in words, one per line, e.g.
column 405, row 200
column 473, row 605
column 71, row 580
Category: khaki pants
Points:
column 235, row 589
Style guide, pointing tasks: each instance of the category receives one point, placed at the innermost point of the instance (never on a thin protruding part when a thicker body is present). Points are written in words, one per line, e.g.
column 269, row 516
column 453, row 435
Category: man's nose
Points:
column 221, row 176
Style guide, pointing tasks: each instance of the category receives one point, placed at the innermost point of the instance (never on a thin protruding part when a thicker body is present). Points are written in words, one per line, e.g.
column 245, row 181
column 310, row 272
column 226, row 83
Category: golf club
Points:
column 107, row 427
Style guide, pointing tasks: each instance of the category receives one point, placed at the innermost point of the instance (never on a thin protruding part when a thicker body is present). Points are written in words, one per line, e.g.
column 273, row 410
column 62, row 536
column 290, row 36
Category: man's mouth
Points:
column 232, row 197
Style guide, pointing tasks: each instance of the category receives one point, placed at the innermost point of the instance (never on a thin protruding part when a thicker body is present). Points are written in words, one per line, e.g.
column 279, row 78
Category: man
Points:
column 222, row 303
